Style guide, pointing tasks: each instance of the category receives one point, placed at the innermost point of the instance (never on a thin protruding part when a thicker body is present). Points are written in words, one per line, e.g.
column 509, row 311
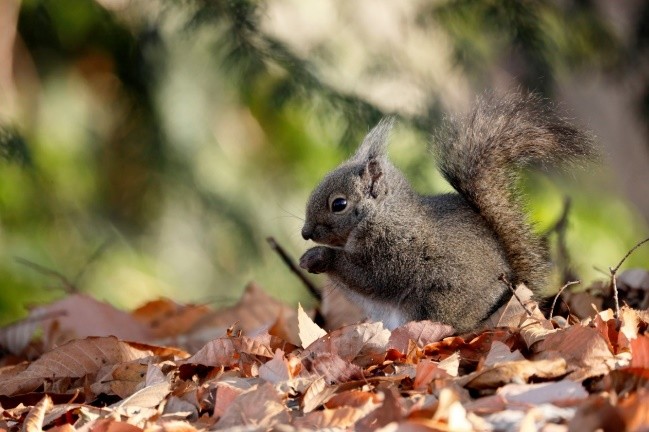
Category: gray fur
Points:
column 407, row 257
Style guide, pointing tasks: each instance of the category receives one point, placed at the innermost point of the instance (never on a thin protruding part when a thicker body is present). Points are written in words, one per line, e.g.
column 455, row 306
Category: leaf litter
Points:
column 175, row 367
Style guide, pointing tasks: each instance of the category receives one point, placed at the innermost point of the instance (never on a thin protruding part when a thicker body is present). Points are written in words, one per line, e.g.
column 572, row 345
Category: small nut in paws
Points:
column 317, row 259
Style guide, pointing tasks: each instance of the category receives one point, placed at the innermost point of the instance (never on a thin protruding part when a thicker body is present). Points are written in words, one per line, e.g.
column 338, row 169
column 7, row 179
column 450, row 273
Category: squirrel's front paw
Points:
column 317, row 259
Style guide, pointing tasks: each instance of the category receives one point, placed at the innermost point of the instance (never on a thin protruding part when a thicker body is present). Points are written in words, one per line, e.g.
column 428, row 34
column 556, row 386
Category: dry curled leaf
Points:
column 362, row 344
column 420, row 332
column 501, row 353
column 280, row 368
column 562, row 393
column 515, row 371
column 427, row 371
column 308, row 331
column 78, row 316
column 260, row 407
column 226, row 351
column 75, row 359
column 333, row 368
column 514, row 313
column 34, row 420
column 343, row 417
column 581, row 347
column 255, row 310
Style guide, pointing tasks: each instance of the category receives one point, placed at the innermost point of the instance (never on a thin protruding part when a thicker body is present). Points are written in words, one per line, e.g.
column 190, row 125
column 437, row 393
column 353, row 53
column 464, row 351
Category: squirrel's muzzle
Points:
column 307, row 232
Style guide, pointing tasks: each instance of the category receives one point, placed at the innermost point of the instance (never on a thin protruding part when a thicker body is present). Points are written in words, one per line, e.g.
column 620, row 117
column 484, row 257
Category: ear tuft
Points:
column 375, row 143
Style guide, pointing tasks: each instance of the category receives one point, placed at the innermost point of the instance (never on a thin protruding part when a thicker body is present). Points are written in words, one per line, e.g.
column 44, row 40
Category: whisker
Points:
column 289, row 213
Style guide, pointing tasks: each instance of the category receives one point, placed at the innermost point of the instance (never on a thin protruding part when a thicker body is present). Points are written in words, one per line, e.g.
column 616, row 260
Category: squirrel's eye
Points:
column 338, row 205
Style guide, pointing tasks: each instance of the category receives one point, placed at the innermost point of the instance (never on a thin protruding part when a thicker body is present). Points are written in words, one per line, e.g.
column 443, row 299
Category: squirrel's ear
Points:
column 372, row 155
column 375, row 144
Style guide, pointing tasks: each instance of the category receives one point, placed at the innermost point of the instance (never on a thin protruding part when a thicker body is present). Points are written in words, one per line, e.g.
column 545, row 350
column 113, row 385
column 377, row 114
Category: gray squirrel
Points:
column 402, row 256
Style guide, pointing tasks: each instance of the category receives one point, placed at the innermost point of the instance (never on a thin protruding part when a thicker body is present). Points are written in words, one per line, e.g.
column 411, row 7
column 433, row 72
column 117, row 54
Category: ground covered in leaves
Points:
column 79, row 364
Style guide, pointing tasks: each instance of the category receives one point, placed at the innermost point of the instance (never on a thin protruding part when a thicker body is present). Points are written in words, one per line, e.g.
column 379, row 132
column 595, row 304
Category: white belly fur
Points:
column 390, row 316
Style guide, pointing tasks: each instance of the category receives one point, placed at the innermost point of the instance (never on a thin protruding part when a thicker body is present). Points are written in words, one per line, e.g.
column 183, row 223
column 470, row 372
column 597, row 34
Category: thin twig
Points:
column 315, row 292
column 614, row 270
column 615, row 296
column 599, row 270
column 554, row 302
column 92, row 258
column 67, row 285
column 504, row 279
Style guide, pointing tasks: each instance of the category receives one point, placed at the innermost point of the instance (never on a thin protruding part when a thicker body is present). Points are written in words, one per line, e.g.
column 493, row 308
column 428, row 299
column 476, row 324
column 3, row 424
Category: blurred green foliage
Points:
column 160, row 144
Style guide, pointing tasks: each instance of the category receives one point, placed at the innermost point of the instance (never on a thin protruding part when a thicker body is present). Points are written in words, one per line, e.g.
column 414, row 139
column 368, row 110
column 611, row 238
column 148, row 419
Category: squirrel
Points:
column 406, row 257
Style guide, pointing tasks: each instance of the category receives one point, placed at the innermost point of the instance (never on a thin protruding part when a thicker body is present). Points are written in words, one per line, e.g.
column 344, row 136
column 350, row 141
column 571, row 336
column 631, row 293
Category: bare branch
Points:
column 504, row 279
column 67, row 285
column 554, row 302
column 614, row 270
column 315, row 292
column 92, row 258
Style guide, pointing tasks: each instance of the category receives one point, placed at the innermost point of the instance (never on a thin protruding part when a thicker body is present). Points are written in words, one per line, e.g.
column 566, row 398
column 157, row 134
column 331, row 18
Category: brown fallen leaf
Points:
column 64, row 428
column 597, row 413
column 362, row 344
column 640, row 352
column 225, row 395
column 260, row 407
column 255, row 310
column 308, row 331
column 280, row 368
column 450, row 414
column 513, row 313
column 535, row 329
column 561, row 393
column 581, row 347
column 583, row 304
column 501, row 353
column 34, row 420
column 420, row 332
column 514, row 371
column 148, row 397
column 332, row 368
column 617, row 334
column 317, row 394
column 352, row 398
column 172, row 426
column 75, row 359
column 451, row 364
column 630, row 323
column 60, row 411
column 427, row 371
column 343, row 417
column 17, row 336
column 634, row 410
column 392, row 410
column 285, row 328
column 473, row 350
column 227, row 350
column 166, row 318
column 79, row 316
column 110, row 425
column 124, row 379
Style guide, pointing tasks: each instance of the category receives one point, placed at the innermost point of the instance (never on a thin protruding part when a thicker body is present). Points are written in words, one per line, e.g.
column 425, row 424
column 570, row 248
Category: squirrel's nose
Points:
column 307, row 232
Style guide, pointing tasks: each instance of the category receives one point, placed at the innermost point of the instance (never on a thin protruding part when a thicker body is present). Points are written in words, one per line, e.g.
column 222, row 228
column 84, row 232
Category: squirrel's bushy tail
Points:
column 481, row 154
